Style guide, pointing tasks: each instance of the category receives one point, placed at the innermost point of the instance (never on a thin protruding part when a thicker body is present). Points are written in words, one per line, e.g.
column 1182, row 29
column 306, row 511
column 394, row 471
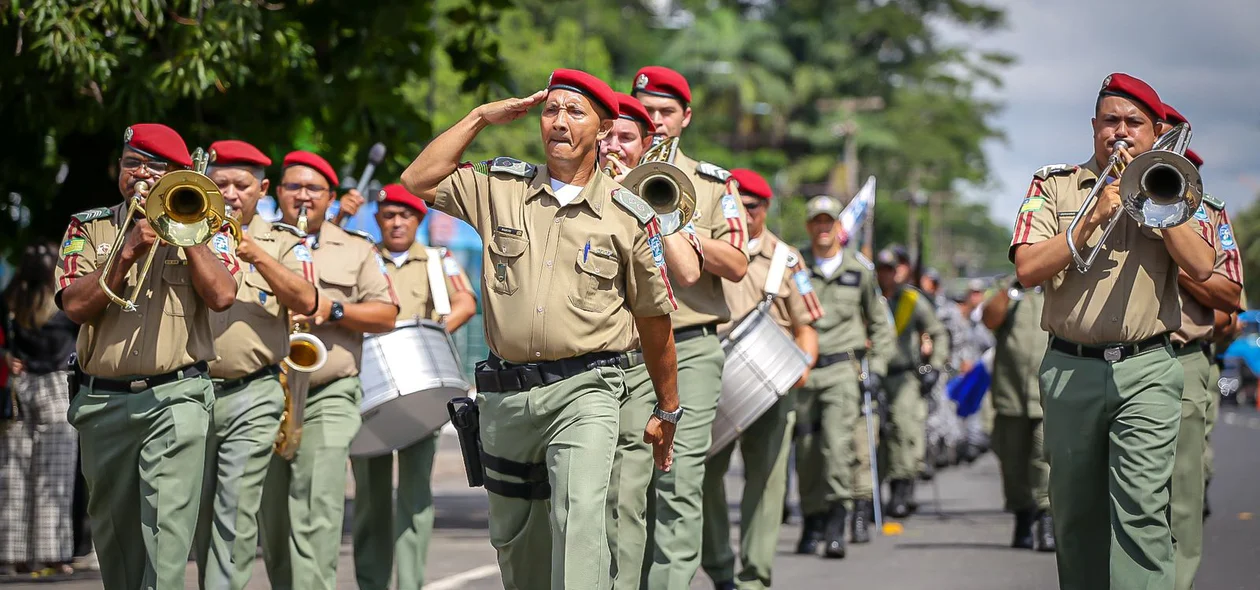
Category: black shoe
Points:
column 1023, row 538
column 787, row 513
column 727, row 585
column 1207, row 508
column 811, row 533
column 911, row 503
column 861, row 508
column 1044, row 532
column 899, row 506
column 833, row 535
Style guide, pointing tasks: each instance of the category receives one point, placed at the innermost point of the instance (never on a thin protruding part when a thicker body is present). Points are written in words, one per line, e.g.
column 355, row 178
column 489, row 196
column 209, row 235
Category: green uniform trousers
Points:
column 304, row 501
column 631, row 477
column 1019, row 443
column 903, row 450
column 1213, row 412
column 143, row 458
column 239, row 449
column 568, row 429
column 764, row 448
column 1187, row 479
column 675, row 509
column 827, row 409
column 386, row 528
column 1111, row 431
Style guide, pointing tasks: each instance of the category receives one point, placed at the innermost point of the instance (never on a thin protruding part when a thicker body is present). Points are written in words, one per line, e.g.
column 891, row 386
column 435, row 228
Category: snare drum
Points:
column 408, row 375
column 762, row 363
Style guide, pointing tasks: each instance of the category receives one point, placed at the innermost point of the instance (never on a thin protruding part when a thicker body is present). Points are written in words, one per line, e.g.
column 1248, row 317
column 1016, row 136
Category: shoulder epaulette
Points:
column 1046, row 172
column 513, row 166
column 1213, row 202
column 362, row 234
column 92, row 214
column 864, row 260
column 635, row 205
column 713, row 171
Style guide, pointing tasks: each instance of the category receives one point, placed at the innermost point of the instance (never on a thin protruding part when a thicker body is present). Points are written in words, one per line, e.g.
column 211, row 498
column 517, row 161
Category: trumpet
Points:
column 307, row 354
column 185, row 209
column 664, row 186
column 1159, row 189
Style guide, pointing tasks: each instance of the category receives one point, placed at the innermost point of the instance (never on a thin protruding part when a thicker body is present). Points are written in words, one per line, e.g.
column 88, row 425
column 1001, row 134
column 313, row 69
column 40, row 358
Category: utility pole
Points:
column 849, row 129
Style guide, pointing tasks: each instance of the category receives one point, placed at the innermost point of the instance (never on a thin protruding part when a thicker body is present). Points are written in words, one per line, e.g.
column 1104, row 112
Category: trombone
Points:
column 1159, row 189
column 185, row 209
column 307, row 354
column 664, row 186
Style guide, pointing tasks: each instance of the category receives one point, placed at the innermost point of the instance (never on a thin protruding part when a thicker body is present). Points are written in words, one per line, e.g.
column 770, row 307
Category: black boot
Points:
column 1023, row 538
column 898, row 506
column 727, row 585
column 1044, row 532
column 834, row 533
column 811, row 533
column 1207, row 508
column 861, row 508
column 911, row 503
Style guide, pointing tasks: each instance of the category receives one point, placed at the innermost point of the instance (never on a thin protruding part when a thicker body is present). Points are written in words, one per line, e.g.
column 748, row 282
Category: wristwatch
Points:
column 337, row 312
column 671, row 417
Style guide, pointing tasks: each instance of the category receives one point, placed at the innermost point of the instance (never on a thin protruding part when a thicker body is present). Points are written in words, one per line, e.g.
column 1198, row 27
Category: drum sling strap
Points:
column 437, row 284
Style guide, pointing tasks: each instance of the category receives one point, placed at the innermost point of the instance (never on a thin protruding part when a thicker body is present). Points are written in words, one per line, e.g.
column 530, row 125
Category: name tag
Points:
column 851, row 278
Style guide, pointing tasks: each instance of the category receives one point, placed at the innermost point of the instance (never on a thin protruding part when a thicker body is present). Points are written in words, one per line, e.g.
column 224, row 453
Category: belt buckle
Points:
column 1113, row 354
column 139, row 385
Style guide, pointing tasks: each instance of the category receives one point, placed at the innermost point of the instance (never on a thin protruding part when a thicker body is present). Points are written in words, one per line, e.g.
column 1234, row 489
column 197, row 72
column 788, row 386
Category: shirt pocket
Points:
column 848, row 301
column 262, row 298
column 596, row 282
column 340, row 281
column 177, row 281
column 506, row 262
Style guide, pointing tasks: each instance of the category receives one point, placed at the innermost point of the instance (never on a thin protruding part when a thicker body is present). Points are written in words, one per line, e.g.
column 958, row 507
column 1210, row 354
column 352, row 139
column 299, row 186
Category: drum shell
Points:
column 762, row 364
column 408, row 375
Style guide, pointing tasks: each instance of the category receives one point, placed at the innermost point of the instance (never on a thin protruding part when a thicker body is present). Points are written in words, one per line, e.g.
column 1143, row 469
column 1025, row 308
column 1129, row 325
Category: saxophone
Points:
column 307, row 354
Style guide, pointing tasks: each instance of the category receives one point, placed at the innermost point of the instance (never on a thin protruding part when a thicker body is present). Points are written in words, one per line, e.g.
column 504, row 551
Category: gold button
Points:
column 135, row 353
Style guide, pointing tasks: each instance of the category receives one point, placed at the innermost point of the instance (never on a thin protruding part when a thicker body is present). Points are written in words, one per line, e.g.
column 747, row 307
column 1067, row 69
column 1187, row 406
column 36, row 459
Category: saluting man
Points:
column 675, row 508
column 251, row 339
column 632, row 470
column 574, row 262
column 833, row 464
column 304, row 500
column 142, row 405
column 1110, row 382
column 389, row 527
column 764, row 445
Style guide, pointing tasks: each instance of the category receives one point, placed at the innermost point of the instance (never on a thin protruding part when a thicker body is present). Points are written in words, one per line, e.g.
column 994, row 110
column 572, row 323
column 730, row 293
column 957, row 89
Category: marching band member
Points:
column 673, row 555
column 304, row 500
column 765, row 444
column 833, row 462
column 632, row 470
column 386, row 529
column 1192, row 344
column 1110, row 383
column 250, row 338
column 573, row 261
column 143, row 394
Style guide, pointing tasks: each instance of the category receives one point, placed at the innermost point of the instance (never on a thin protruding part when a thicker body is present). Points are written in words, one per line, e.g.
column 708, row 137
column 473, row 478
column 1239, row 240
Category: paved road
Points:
column 958, row 543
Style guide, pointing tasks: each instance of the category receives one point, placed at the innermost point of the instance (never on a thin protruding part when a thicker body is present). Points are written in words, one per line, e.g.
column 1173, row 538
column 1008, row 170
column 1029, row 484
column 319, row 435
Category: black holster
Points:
column 75, row 377
column 467, row 422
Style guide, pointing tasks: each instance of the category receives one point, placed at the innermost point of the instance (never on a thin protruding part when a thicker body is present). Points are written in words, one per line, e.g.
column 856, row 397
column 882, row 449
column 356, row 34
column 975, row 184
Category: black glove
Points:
column 874, row 384
column 928, row 376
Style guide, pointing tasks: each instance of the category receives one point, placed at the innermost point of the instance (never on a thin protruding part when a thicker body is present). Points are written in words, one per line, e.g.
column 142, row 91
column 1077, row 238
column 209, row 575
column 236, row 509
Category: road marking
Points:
column 458, row 580
column 1245, row 516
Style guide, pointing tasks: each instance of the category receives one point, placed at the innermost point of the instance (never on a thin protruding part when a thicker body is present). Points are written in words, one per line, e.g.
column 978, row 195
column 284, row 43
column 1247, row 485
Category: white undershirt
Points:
column 753, row 243
column 565, row 193
column 829, row 266
column 399, row 258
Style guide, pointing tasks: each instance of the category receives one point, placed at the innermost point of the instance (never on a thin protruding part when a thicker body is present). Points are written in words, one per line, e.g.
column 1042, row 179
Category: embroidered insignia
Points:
column 221, row 244
column 381, row 195
column 1032, row 204
column 802, row 282
column 1227, row 237
column 514, row 167
column 658, row 250
column 72, row 246
column 302, row 253
column 103, row 249
column 1106, row 83
column 1201, row 213
column 127, row 135
column 92, row 214
column 1046, row 172
column 641, row 82
column 713, row 171
column 635, row 205
column 730, row 207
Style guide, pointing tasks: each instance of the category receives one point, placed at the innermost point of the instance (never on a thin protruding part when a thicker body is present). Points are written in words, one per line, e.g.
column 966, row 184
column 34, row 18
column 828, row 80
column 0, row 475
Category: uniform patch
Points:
column 103, row 249
column 635, row 205
column 514, row 167
column 1045, row 172
column 1032, row 204
column 1201, row 213
column 262, row 297
column 850, row 278
column 1213, row 202
column 221, row 244
column 713, row 171
column 72, row 246
column 1227, row 237
column 92, row 214
column 302, row 253
column 658, row 251
column 802, row 282
column 451, row 266
column 730, row 207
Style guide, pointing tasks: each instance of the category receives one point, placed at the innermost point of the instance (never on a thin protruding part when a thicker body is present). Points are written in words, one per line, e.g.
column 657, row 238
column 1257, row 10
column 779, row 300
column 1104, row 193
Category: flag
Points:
column 967, row 390
column 854, row 214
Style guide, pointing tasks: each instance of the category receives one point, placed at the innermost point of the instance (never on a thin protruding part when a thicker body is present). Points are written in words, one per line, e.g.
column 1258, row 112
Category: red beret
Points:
column 662, row 81
column 1194, row 158
column 157, row 141
column 229, row 152
column 395, row 193
column 633, row 110
column 1126, row 86
column 751, row 183
column 593, row 88
column 1172, row 116
column 301, row 158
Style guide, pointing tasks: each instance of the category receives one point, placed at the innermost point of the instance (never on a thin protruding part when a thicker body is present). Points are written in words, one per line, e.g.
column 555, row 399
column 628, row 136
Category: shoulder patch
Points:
column 713, row 171
column 513, row 166
column 362, row 234
column 1226, row 236
column 864, row 260
column 1053, row 170
column 793, row 258
column 92, row 214
column 1213, row 202
column 635, row 205
column 302, row 253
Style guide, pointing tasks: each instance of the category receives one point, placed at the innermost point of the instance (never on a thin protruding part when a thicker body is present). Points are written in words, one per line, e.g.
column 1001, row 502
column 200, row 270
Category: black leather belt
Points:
column 1111, row 354
column 826, row 360
column 138, row 385
column 495, row 375
column 685, row 334
column 231, row 384
column 1194, row 346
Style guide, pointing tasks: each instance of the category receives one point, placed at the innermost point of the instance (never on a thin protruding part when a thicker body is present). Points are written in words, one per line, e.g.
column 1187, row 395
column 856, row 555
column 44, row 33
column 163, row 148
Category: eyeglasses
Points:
column 132, row 164
column 754, row 205
column 314, row 189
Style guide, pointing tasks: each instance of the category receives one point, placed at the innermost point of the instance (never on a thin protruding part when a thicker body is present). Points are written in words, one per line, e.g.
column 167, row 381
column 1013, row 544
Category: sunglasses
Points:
column 753, row 205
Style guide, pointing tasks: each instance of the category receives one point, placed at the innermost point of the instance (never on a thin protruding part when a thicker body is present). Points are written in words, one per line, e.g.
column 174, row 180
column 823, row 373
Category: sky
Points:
column 1202, row 56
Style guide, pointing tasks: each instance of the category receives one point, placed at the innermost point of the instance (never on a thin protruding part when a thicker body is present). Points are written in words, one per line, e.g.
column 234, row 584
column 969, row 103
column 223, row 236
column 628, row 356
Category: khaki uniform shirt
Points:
column 719, row 215
column 559, row 282
column 1021, row 344
column 1213, row 222
column 856, row 312
column 171, row 327
column 913, row 313
column 254, row 332
column 795, row 303
column 348, row 269
column 1129, row 294
column 411, row 281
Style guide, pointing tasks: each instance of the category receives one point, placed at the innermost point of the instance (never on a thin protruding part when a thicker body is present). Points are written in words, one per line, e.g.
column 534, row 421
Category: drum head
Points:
column 406, row 421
